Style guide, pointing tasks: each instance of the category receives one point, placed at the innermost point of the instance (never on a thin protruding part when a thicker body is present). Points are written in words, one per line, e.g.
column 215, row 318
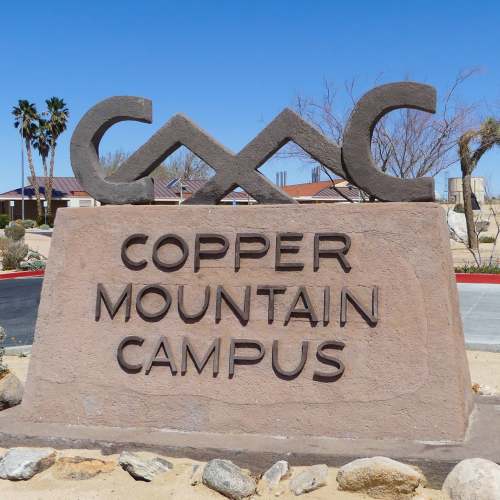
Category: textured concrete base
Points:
column 257, row 452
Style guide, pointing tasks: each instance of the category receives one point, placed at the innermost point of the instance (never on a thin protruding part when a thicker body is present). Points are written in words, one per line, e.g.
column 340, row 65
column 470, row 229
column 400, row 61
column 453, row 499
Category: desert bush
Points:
column 459, row 208
column 487, row 239
column 13, row 254
column 485, row 269
column 4, row 241
column 4, row 220
column 15, row 232
column 28, row 223
column 32, row 265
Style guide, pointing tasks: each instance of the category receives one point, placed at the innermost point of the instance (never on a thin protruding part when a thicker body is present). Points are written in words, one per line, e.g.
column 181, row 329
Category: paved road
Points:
column 479, row 305
column 480, row 309
column 19, row 300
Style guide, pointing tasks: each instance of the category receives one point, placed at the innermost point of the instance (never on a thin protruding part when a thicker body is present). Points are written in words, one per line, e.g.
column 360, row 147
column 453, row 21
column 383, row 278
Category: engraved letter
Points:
column 339, row 253
column 187, row 348
column 157, row 315
column 128, row 367
column 168, row 360
column 271, row 291
column 133, row 240
column 289, row 374
column 307, row 310
column 244, row 360
column 280, row 248
column 113, row 309
column 174, row 240
column 329, row 360
column 182, row 310
column 242, row 315
column 370, row 317
column 209, row 254
column 250, row 254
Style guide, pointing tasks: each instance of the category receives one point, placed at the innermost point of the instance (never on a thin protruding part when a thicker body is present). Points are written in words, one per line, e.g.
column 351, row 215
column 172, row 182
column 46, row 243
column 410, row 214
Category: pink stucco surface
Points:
column 407, row 377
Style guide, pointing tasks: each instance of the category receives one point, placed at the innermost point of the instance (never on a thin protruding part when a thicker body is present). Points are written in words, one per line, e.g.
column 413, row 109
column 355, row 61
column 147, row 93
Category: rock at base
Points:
column 80, row 468
column 143, row 469
column 380, row 477
column 19, row 464
column 271, row 478
column 474, row 478
column 11, row 391
column 310, row 479
column 228, row 479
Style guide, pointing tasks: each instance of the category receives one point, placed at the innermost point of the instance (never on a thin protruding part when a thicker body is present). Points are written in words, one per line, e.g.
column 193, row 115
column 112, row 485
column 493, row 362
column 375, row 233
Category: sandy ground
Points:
column 38, row 242
column 175, row 484
column 485, row 369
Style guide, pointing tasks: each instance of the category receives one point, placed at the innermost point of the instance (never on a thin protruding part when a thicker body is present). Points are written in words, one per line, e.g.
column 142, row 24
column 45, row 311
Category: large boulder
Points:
column 380, row 477
column 228, row 479
column 11, row 390
column 143, row 469
column 19, row 464
column 473, row 479
column 311, row 479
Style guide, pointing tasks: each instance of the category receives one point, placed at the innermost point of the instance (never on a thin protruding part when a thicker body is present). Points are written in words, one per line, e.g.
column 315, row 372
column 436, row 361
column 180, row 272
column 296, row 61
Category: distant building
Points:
column 67, row 192
column 455, row 193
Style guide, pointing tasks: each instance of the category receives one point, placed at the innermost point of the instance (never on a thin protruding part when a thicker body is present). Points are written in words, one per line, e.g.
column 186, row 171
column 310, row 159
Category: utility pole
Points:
column 22, row 167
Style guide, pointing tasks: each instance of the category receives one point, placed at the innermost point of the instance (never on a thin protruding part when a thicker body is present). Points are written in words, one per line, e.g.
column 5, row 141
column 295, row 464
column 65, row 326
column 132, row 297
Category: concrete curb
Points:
column 493, row 279
column 21, row 274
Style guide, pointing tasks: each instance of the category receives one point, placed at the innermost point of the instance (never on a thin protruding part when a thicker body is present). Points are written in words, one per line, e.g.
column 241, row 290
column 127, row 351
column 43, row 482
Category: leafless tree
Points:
column 480, row 225
column 406, row 143
column 181, row 165
column 472, row 145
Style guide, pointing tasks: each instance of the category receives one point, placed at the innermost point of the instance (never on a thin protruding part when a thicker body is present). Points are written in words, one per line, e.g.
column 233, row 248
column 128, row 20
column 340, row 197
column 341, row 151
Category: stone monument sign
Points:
column 276, row 319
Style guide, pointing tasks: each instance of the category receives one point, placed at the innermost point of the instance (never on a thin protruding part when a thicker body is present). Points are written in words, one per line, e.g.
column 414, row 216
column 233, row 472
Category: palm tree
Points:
column 41, row 142
column 58, row 115
column 26, row 119
column 484, row 138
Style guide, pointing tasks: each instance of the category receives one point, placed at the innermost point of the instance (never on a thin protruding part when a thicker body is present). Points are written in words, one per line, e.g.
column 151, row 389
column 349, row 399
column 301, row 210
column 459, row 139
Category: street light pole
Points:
column 22, row 167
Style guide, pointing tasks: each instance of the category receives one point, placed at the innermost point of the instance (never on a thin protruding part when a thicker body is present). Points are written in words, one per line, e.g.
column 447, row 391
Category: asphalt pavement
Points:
column 480, row 310
column 479, row 306
column 19, row 299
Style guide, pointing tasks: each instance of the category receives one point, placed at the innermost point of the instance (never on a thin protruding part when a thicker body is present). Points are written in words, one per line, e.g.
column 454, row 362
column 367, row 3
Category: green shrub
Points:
column 15, row 232
column 484, row 269
column 459, row 208
column 45, row 227
column 32, row 265
column 487, row 239
column 28, row 223
column 13, row 254
column 4, row 220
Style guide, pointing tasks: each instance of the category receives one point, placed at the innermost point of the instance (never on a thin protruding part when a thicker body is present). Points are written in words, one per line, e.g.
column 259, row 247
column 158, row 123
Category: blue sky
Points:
column 233, row 65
